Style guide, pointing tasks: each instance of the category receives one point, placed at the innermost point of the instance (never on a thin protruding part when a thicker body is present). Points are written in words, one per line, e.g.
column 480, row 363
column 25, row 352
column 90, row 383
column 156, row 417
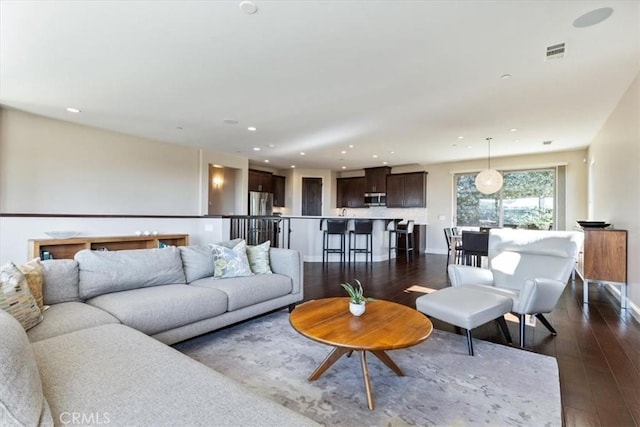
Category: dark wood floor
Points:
column 597, row 346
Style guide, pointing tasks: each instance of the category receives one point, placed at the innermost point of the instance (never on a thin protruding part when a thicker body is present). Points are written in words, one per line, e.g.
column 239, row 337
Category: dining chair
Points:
column 454, row 244
column 474, row 246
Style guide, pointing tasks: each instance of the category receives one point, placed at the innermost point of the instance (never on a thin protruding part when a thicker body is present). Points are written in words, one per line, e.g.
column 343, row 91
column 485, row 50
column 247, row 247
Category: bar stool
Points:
column 402, row 231
column 361, row 227
column 335, row 227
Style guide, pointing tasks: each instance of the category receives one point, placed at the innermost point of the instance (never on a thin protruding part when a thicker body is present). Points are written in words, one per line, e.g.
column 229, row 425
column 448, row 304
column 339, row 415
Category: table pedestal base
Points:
column 337, row 354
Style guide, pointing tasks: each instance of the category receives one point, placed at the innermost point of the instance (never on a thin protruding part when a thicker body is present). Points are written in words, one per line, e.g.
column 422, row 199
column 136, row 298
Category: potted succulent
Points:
column 358, row 300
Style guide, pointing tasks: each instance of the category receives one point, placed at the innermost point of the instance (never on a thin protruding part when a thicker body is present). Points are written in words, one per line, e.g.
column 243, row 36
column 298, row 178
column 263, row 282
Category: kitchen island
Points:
column 307, row 233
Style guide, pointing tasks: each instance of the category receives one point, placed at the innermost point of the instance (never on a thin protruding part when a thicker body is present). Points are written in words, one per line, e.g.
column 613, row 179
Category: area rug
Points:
column 443, row 384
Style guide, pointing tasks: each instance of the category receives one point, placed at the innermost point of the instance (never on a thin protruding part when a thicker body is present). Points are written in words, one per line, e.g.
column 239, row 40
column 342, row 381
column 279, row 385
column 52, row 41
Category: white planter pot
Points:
column 357, row 309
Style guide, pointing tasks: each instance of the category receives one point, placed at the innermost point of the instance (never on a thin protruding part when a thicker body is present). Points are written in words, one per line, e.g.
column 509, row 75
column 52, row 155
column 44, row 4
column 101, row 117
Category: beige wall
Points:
column 615, row 190
column 51, row 166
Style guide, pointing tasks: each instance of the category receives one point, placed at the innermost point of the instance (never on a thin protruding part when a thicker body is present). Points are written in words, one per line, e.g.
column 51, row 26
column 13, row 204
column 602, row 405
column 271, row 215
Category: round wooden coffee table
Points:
column 384, row 326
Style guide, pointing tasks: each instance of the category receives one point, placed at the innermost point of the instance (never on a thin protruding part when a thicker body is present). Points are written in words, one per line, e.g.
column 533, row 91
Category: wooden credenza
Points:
column 67, row 248
column 603, row 259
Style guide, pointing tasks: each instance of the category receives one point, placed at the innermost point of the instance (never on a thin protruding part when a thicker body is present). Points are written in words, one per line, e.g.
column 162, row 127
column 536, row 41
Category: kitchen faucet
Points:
column 343, row 211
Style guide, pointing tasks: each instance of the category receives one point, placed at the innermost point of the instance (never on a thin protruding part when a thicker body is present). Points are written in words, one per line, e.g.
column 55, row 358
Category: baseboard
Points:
column 633, row 309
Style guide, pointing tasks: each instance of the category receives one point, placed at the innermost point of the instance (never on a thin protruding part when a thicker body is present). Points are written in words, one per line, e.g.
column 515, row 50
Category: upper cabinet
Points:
column 350, row 192
column 407, row 190
column 277, row 185
column 376, row 179
column 260, row 181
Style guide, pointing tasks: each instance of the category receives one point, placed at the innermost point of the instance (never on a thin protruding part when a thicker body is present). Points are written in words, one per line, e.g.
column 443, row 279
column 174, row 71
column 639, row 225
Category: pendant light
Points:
column 488, row 181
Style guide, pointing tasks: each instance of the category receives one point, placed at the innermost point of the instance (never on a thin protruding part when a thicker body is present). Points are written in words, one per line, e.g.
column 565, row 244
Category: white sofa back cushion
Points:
column 22, row 402
column 103, row 272
column 518, row 255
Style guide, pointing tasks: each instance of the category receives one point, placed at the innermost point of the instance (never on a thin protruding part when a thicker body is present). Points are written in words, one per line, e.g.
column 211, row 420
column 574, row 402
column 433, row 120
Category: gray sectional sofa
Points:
column 100, row 354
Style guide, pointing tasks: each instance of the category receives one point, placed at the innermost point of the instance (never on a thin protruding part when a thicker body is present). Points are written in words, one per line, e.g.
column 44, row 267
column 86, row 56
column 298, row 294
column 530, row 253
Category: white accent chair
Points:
column 531, row 267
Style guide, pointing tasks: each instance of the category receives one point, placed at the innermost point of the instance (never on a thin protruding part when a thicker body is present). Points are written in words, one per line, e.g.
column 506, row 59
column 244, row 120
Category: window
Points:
column 526, row 200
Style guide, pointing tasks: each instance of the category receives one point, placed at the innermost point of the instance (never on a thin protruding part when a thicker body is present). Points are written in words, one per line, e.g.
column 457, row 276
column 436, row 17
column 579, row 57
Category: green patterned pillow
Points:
column 16, row 298
column 259, row 258
column 230, row 262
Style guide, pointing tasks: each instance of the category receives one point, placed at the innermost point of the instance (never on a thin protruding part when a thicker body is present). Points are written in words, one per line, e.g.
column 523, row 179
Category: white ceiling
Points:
column 398, row 79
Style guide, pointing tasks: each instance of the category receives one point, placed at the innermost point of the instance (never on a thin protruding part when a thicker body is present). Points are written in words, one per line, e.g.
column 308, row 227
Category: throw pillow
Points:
column 230, row 262
column 16, row 298
column 259, row 258
column 34, row 272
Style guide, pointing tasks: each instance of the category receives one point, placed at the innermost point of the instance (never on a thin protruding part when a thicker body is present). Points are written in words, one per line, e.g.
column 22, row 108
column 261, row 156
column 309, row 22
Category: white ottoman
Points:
column 466, row 307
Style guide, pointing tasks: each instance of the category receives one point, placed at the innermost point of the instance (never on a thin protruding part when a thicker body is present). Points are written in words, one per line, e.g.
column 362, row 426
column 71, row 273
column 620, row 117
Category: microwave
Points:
column 375, row 199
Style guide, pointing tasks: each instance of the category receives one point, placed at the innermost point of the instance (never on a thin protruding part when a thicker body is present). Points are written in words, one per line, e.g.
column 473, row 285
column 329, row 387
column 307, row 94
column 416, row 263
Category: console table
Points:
column 67, row 248
column 603, row 259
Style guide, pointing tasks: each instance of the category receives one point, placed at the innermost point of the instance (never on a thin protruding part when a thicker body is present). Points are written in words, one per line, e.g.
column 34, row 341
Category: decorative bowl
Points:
column 593, row 224
column 61, row 234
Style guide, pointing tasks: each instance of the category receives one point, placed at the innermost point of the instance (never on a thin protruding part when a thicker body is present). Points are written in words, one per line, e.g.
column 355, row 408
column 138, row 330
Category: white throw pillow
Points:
column 259, row 258
column 230, row 262
column 16, row 298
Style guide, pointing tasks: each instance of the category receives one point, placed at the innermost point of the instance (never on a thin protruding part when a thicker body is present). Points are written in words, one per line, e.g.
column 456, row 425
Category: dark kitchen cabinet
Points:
column 376, row 179
column 277, row 185
column 260, row 181
column 350, row 192
column 407, row 190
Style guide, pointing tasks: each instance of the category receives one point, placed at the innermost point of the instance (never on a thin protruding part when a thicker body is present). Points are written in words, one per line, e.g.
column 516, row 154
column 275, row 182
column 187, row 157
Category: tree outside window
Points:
column 526, row 200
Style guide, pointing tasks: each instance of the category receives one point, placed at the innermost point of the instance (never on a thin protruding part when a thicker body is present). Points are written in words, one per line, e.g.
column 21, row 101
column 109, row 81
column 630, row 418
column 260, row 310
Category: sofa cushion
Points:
column 68, row 317
column 245, row 291
column 34, row 273
column 114, row 372
column 102, row 272
column 22, row 402
column 16, row 298
column 60, row 281
column 160, row 308
column 197, row 262
column 230, row 262
column 259, row 258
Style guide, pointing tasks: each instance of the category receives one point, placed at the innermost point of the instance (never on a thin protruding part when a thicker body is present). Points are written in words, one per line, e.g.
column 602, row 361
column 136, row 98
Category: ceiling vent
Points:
column 555, row 51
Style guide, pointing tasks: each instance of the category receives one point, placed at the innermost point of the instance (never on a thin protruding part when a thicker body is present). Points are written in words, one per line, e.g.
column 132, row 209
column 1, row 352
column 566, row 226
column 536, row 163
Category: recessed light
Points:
column 384, row 163
column 230, row 121
column 392, row 152
column 593, row 17
column 461, row 137
column 344, row 167
column 266, row 160
column 343, row 152
column 72, row 110
column 350, row 145
column 513, row 130
column 256, row 148
column 248, row 7
column 271, row 145
column 375, row 156
column 293, row 166
column 505, row 76
column 302, row 153
column 251, row 128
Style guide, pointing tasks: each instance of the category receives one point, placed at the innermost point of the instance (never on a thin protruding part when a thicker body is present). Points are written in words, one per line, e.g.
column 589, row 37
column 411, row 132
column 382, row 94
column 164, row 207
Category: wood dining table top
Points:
column 384, row 326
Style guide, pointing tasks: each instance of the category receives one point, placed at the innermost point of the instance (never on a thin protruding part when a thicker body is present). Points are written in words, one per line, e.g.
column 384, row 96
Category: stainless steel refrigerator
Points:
column 260, row 203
